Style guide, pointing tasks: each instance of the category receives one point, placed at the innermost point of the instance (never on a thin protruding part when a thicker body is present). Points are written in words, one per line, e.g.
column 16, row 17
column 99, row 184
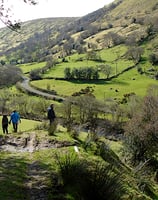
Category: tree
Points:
column 67, row 73
column 141, row 131
column 93, row 55
column 87, row 107
column 6, row 14
column 112, row 39
column 9, row 75
column 5, row 95
column 106, row 70
column 153, row 58
column 67, row 109
column 135, row 54
column 68, row 46
column 35, row 74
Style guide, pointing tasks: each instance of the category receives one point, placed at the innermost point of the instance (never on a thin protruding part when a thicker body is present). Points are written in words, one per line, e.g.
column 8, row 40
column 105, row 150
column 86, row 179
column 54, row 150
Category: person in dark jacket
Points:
column 15, row 119
column 5, row 123
column 51, row 114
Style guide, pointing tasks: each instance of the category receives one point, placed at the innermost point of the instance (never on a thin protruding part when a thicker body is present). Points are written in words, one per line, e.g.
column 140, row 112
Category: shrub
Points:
column 52, row 128
column 141, row 132
column 9, row 74
column 153, row 58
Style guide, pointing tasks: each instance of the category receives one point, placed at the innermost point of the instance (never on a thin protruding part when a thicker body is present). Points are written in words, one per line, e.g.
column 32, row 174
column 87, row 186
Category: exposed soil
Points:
column 36, row 183
column 29, row 143
column 37, row 188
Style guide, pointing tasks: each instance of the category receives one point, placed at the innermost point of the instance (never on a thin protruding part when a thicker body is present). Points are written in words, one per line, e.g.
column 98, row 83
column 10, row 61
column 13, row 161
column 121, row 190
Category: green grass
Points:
column 111, row 54
column 25, row 125
column 13, row 169
column 26, row 68
column 109, row 57
column 58, row 70
column 128, row 82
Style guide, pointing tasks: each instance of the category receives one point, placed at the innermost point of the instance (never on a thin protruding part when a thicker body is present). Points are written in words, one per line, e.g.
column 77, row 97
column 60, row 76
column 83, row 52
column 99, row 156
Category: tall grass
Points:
column 90, row 180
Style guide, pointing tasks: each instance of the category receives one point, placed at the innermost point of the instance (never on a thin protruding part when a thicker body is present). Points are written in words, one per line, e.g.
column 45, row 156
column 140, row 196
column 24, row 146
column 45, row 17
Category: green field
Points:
column 128, row 82
column 26, row 68
column 112, row 57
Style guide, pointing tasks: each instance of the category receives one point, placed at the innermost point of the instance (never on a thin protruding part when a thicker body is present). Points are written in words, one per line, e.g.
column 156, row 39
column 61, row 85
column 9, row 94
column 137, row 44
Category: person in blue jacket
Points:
column 15, row 119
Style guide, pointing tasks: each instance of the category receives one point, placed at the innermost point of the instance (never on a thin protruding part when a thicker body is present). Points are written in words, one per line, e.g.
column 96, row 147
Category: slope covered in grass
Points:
column 55, row 173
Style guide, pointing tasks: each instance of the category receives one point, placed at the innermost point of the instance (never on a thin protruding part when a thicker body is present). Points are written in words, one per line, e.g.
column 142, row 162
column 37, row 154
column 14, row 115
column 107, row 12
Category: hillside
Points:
column 36, row 166
column 122, row 21
column 30, row 30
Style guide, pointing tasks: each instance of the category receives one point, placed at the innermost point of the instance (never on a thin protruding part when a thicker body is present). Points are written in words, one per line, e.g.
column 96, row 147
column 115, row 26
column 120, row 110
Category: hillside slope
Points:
column 10, row 39
column 118, row 22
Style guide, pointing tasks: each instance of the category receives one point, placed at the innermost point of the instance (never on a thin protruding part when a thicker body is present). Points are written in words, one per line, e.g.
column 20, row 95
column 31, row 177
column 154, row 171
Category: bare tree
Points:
column 141, row 131
column 6, row 14
column 135, row 53
column 106, row 70
column 9, row 75
column 111, row 39
column 5, row 95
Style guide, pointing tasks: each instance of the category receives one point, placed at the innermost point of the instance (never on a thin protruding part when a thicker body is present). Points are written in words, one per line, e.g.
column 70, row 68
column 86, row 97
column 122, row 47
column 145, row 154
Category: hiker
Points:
column 51, row 114
column 15, row 119
column 5, row 123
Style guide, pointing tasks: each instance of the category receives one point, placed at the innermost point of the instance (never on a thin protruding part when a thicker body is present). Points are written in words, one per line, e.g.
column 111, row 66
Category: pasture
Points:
column 129, row 82
column 26, row 68
column 112, row 57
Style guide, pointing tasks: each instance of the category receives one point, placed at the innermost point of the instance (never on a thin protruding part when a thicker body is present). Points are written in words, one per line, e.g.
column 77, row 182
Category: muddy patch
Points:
column 30, row 143
column 37, row 182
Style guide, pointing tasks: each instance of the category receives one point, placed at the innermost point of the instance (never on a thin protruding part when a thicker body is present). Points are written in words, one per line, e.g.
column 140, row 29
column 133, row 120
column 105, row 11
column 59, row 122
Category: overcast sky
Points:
column 54, row 8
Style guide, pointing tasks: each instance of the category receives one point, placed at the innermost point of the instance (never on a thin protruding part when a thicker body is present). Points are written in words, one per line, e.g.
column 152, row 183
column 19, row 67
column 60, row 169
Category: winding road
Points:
column 26, row 86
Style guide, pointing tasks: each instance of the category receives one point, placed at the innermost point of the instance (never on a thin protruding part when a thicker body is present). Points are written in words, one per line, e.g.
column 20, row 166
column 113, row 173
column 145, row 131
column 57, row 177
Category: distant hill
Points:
column 121, row 22
column 32, row 34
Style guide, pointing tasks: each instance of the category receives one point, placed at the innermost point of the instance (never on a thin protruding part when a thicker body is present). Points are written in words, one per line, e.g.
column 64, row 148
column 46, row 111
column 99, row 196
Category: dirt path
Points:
column 37, row 177
column 34, row 175
column 36, row 184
